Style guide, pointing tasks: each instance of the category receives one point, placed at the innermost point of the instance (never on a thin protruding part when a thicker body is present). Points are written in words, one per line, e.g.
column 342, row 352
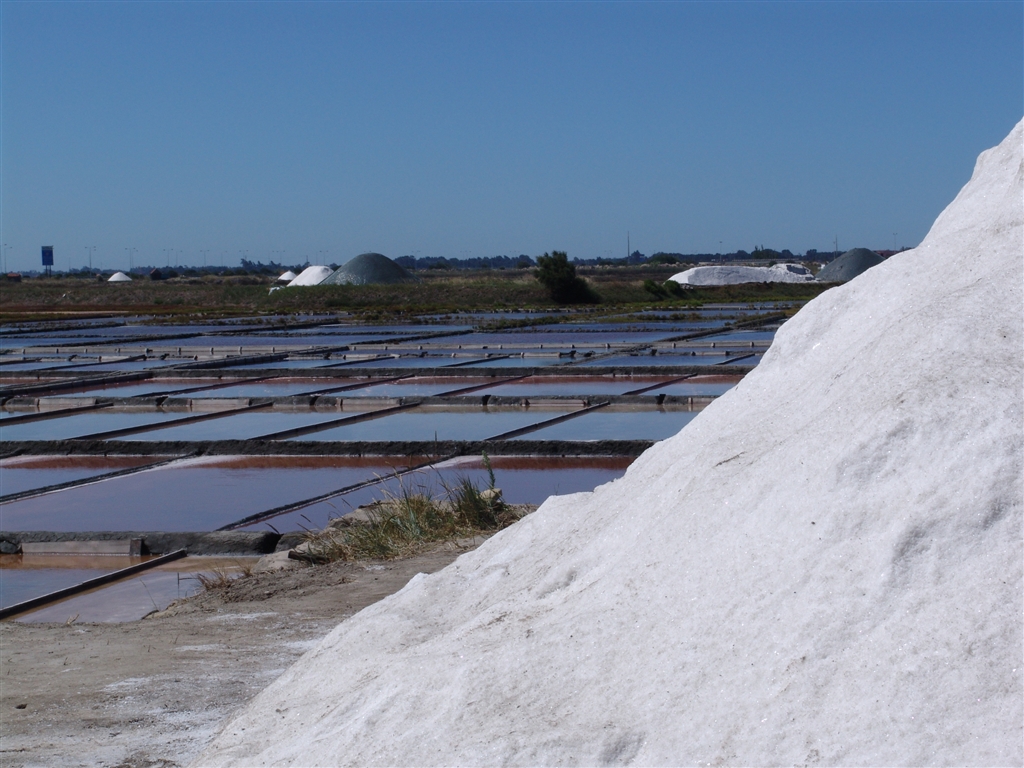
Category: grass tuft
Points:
column 403, row 522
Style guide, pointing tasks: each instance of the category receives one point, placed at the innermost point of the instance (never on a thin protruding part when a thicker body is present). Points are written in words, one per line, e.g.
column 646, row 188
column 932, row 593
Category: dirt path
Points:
column 153, row 692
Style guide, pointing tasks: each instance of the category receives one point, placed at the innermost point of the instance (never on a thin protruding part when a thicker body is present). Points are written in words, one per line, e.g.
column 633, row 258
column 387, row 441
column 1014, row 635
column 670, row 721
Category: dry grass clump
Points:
column 222, row 578
column 403, row 522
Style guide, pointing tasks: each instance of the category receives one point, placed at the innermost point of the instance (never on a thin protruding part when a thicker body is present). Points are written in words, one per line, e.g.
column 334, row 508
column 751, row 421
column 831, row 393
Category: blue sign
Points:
column 47, row 255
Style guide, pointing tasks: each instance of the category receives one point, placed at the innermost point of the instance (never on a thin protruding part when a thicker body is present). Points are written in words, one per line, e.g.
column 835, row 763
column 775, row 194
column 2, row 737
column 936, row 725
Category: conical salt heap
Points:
column 824, row 567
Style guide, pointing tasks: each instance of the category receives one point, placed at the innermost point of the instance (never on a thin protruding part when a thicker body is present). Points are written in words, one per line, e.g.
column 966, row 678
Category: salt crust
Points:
column 733, row 274
column 311, row 276
column 824, row 567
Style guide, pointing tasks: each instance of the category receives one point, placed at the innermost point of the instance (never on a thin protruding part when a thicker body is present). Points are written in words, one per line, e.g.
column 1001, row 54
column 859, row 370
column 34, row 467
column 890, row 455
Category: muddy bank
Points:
column 441, row 449
column 153, row 692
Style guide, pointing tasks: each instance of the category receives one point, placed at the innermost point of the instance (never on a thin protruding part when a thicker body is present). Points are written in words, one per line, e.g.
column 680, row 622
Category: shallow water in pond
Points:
column 134, row 390
column 627, row 361
column 699, row 386
column 220, row 491
column 134, row 597
column 523, row 480
column 24, row 473
column 81, row 424
column 607, row 424
column 18, row 585
column 430, row 424
column 517, row 362
column 239, row 426
column 540, row 386
column 418, row 386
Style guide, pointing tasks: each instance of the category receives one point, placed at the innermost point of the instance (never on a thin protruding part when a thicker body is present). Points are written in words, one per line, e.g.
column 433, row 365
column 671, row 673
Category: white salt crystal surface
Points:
column 824, row 567
column 310, row 276
column 732, row 274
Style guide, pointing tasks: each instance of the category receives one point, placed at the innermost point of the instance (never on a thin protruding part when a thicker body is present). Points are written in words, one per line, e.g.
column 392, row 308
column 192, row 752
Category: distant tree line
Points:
column 522, row 261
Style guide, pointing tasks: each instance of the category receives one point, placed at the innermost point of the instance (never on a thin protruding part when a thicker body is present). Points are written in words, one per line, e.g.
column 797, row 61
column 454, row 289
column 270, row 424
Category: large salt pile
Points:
column 310, row 276
column 734, row 274
column 369, row 268
column 825, row 567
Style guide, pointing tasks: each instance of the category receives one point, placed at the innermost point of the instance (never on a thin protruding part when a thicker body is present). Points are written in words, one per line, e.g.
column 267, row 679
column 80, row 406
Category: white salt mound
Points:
column 119, row 277
column 310, row 276
column 287, row 277
column 825, row 567
column 733, row 274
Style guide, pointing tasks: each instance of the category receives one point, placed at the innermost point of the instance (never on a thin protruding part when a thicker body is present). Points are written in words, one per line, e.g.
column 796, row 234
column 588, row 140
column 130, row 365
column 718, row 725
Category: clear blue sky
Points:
column 475, row 129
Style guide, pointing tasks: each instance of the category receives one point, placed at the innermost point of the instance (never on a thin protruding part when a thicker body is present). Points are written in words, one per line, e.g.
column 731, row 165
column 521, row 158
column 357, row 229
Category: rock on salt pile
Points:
column 824, row 567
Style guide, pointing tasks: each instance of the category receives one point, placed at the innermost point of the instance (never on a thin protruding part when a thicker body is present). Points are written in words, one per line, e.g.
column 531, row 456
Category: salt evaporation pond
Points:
column 522, row 479
column 616, row 423
column 540, row 386
column 23, row 577
column 26, row 473
column 825, row 567
column 130, row 599
column 427, row 424
column 220, row 491
column 134, row 390
column 241, row 426
column 83, row 424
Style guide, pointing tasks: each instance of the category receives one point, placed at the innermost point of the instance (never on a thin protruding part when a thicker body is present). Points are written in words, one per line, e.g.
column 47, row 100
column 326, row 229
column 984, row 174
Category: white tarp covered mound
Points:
column 824, row 567
column 734, row 274
column 119, row 277
column 311, row 276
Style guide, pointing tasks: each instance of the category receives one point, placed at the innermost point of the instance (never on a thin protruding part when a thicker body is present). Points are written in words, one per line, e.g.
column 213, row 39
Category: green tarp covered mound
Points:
column 369, row 268
column 848, row 266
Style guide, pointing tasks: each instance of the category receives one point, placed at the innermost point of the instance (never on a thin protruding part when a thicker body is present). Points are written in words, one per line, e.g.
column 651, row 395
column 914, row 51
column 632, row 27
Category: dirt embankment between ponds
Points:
column 153, row 692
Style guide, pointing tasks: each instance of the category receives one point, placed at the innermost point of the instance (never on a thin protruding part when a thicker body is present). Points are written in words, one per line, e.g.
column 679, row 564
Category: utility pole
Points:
column 204, row 256
column 90, row 249
column 6, row 246
column 131, row 265
column 894, row 241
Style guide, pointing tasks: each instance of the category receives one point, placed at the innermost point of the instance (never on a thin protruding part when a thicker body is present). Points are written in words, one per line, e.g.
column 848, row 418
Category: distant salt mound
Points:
column 735, row 274
column 848, row 266
column 119, row 277
column 824, row 567
column 310, row 276
column 287, row 277
column 369, row 268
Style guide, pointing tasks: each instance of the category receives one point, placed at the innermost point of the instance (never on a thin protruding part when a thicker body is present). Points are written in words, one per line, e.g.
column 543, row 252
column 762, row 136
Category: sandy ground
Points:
column 153, row 692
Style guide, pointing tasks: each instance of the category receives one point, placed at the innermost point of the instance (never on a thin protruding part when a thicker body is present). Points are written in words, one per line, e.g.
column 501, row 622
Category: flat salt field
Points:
column 135, row 390
column 283, row 343
column 298, row 363
column 428, row 361
column 221, row 491
column 26, row 473
column 553, row 338
column 699, row 386
column 127, row 600
column 617, row 424
column 517, row 361
column 23, row 577
column 522, row 479
column 627, row 361
column 139, row 365
column 540, row 386
column 741, row 336
column 241, row 426
column 89, row 423
column 436, row 424
column 417, row 386
column 283, row 387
